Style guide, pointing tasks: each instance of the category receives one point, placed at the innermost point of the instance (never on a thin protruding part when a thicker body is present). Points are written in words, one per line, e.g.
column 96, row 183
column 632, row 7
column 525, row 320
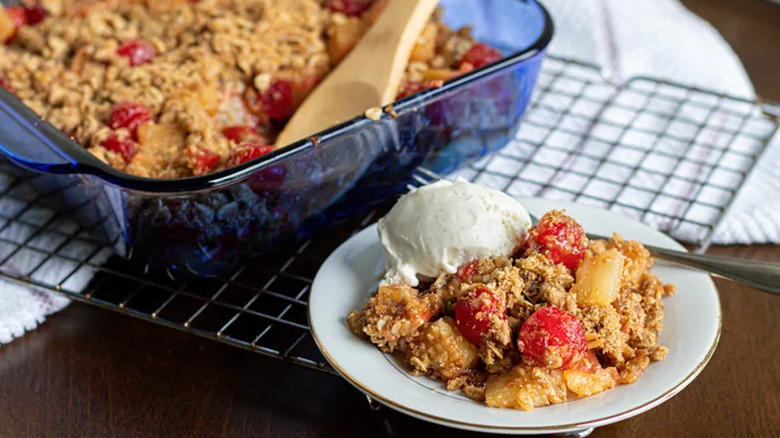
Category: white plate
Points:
column 347, row 278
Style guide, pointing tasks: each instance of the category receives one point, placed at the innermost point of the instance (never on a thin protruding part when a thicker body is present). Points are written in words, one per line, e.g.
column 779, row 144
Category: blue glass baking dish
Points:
column 205, row 226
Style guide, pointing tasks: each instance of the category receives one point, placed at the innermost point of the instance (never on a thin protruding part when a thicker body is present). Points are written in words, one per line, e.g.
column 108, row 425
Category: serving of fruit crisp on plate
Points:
column 539, row 314
column 506, row 314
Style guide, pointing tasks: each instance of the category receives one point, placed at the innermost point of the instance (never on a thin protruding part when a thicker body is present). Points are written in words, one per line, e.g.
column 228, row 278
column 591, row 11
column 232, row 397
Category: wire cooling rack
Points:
column 670, row 155
column 665, row 154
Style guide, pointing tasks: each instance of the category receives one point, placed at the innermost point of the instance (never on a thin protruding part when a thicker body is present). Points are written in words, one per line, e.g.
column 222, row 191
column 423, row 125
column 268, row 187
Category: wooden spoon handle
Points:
column 393, row 37
column 368, row 77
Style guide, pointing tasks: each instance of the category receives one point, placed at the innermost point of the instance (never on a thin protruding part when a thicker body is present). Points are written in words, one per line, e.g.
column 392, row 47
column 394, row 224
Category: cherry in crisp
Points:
column 552, row 338
column 202, row 160
column 35, row 14
column 349, row 7
column 123, row 146
column 410, row 87
column 18, row 18
column 137, row 52
column 560, row 237
column 480, row 55
column 467, row 270
column 474, row 311
column 242, row 134
column 129, row 115
column 277, row 101
column 248, row 152
column 6, row 84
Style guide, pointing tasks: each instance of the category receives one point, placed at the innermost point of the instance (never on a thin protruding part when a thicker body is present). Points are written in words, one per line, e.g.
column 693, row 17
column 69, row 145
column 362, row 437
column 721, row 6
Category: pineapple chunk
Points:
column 525, row 387
column 587, row 383
column 7, row 28
column 425, row 47
column 442, row 350
column 160, row 136
column 438, row 74
column 598, row 278
column 208, row 99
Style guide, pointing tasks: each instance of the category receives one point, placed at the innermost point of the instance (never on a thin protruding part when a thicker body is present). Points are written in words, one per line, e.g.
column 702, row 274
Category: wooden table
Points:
column 88, row 372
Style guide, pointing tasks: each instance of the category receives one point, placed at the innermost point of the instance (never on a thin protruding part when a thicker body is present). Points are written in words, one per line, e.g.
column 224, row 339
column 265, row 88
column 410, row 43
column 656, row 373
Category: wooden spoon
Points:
column 368, row 77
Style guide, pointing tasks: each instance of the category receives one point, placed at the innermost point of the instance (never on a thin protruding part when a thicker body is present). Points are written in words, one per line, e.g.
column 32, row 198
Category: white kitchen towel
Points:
column 23, row 307
column 661, row 38
column 653, row 37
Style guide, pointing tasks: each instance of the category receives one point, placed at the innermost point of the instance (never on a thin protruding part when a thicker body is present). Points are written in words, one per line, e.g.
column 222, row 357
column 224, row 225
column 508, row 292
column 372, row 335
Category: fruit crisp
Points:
column 564, row 317
column 178, row 88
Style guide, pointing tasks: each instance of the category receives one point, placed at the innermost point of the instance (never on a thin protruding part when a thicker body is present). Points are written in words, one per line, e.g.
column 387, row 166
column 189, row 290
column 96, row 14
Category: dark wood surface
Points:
column 92, row 373
column 752, row 28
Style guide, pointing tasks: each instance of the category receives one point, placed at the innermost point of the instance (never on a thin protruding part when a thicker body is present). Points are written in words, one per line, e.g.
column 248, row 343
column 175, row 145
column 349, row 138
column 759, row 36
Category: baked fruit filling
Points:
column 565, row 317
column 179, row 88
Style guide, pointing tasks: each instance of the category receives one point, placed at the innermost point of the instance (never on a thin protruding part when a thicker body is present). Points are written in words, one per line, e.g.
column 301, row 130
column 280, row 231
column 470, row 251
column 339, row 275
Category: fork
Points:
column 764, row 276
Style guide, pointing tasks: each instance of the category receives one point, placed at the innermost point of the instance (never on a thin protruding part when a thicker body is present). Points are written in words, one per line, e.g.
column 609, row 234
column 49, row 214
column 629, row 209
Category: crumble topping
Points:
column 178, row 88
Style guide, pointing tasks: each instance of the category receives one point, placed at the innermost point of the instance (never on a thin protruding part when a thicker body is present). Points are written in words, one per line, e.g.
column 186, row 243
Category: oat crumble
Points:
column 179, row 88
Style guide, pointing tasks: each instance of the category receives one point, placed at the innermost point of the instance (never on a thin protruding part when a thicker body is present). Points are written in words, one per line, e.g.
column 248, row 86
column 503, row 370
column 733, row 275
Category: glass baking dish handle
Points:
column 31, row 142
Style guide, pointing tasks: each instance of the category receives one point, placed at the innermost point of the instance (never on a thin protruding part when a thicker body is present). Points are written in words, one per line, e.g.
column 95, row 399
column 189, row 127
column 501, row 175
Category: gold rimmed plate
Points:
column 351, row 273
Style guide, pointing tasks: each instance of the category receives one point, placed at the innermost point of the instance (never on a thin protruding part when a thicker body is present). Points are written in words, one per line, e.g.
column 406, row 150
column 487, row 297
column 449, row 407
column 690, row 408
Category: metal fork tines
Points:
column 422, row 177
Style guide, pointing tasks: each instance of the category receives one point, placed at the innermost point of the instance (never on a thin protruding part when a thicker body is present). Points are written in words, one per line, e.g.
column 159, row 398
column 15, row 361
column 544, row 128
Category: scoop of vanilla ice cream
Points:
column 438, row 227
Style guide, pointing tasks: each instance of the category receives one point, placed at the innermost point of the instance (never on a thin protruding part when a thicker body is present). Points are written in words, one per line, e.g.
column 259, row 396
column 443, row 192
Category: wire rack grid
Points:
column 665, row 154
column 581, row 140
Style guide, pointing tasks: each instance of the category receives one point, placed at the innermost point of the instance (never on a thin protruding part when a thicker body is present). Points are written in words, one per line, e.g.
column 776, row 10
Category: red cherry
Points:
column 277, row 101
column 349, row 7
column 137, row 52
column 123, row 146
column 35, row 14
column 5, row 83
column 561, row 238
column 203, row 160
column 467, row 270
column 480, row 55
column 129, row 115
column 18, row 18
column 473, row 312
column 248, row 152
column 242, row 134
column 410, row 87
column 549, row 334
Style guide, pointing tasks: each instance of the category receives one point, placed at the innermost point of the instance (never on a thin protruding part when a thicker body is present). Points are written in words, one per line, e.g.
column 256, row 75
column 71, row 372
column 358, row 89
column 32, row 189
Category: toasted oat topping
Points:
column 197, row 67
